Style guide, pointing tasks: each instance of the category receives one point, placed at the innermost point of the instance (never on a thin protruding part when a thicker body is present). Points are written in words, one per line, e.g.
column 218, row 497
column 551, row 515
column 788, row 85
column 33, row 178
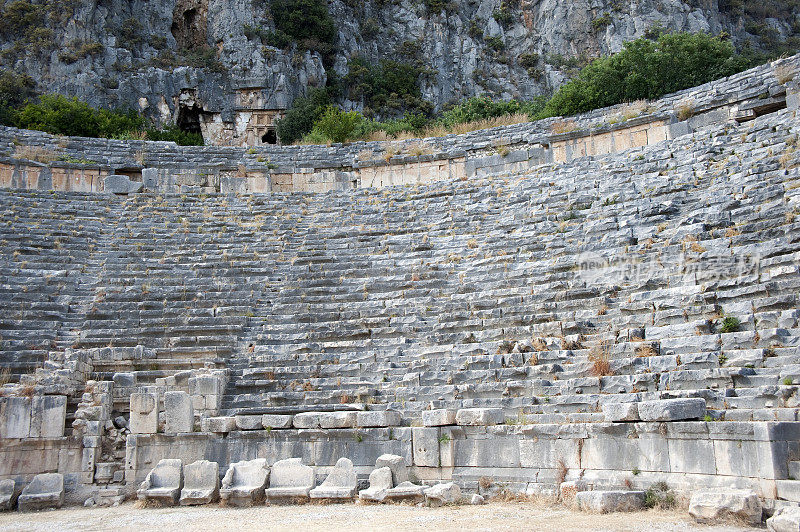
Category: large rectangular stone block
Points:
column 179, row 412
column 436, row 418
column 672, row 409
column 425, row 443
column 15, row 417
column 144, row 413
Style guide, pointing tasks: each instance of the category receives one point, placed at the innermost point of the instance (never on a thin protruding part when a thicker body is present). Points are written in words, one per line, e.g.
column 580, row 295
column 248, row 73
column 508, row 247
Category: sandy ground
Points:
column 494, row 516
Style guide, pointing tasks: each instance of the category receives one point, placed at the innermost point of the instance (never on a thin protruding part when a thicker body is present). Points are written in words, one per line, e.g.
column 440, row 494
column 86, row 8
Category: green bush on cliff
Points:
column 69, row 116
column 299, row 120
column 647, row 69
column 306, row 22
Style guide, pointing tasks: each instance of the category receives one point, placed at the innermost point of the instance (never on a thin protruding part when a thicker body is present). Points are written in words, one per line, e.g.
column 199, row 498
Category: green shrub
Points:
column 528, row 60
column 388, row 88
column 69, row 116
column 601, row 22
column 645, row 70
column 338, row 125
column 176, row 135
column 503, row 14
column 659, row 496
column 482, row 107
column 299, row 120
column 730, row 324
column 19, row 17
column 495, row 43
column 306, row 22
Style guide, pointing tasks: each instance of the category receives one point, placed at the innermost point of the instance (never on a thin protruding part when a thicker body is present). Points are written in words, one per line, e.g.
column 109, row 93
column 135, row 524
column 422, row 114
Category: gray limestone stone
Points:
column 337, row 420
column 480, row 416
column 120, row 184
column 245, row 482
column 380, row 481
column 785, row 520
column 289, row 478
column 307, row 420
column 219, row 424
column 425, row 442
column 163, row 483
column 405, row 491
column 276, row 421
column 179, row 412
column 378, row 418
column 249, row 422
column 46, row 490
column 341, row 482
column 708, row 505
column 672, row 409
column 200, row 483
column 15, row 417
column 435, row 418
column 615, row 412
column 9, row 492
column 397, row 464
column 48, row 415
column 144, row 413
column 445, row 493
column 610, row 501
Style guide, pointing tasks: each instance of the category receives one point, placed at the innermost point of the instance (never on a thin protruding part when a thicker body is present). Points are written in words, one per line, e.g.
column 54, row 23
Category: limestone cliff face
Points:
column 505, row 49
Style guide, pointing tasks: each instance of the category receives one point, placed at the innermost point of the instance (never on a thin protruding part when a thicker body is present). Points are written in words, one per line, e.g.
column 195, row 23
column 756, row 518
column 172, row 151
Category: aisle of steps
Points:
column 403, row 298
column 47, row 241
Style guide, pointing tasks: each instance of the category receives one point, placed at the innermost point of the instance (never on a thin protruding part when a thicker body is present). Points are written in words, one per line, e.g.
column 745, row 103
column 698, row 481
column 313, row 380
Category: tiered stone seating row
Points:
column 458, row 294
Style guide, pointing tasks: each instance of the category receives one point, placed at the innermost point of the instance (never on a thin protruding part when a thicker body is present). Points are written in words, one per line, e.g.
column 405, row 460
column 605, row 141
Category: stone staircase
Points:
column 665, row 271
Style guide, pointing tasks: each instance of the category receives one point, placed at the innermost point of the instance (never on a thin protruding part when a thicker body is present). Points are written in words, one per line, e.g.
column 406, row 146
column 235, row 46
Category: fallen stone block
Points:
column 219, row 424
column 616, row 412
column 244, row 482
column 163, row 483
column 179, row 413
column 713, row 504
column 480, row 416
column 290, row 479
column 120, row 184
column 785, row 520
column 396, row 464
column 200, row 483
column 9, row 492
column 477, row 500
column 672, row 409
column 379, row 418
column 46, row 490
column 380, row 481
column 437, row 418
column 341, row 482
column 445, row 493
column 610, row 501
column 405, row 491
column 276, row 421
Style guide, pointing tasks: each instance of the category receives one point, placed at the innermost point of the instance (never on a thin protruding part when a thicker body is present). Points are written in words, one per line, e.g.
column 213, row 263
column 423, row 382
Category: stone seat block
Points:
column 341, row 482
column 163, row 483
column 708, row 505
column 290, row 479
column 46, row 490
column 200, row 483
column 244, row 482
column 609, row 501
column 405, row 491
column 380, row 481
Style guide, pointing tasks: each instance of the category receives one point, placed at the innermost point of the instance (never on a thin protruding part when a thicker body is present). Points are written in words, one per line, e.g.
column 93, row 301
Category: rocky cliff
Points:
column 201, row 63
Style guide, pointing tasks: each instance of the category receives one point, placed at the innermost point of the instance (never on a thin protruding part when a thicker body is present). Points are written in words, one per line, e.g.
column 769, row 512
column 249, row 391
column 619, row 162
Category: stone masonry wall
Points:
column 64, row 163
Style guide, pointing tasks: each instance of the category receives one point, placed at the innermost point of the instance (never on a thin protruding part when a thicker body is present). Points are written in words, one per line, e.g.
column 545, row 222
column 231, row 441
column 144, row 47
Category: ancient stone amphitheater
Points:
column 601, row 303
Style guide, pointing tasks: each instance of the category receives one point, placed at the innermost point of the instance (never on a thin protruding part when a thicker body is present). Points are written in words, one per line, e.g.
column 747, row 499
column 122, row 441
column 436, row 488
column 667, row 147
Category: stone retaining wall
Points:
column 530, row 458
column 168, row 168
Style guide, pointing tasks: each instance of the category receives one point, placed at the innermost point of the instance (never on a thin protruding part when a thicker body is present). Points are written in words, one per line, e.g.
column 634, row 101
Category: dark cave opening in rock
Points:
column 189, row 119
column 270, row 137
